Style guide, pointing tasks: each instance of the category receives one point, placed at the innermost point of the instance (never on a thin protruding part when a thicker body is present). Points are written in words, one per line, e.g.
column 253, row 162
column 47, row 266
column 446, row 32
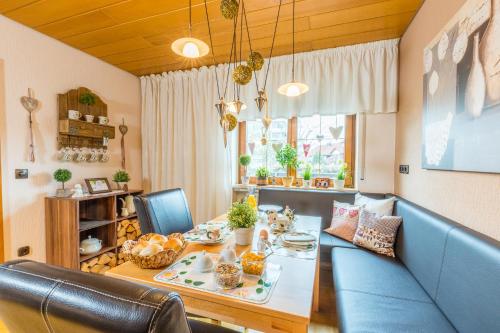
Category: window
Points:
column 264, row 155
column 322, row 141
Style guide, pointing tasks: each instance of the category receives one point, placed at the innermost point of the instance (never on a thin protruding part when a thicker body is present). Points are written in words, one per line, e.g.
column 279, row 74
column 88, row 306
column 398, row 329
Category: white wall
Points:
column 379, row 153
column 32, row 60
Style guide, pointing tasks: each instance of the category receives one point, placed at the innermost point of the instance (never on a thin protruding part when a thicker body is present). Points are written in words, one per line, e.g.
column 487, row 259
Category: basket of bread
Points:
column 154, row 250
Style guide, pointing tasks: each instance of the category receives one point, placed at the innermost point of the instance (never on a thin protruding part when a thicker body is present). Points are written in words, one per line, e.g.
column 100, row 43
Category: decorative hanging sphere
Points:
column 229, row 8
column 255, row 61
column 232, row 121
column 242, row 74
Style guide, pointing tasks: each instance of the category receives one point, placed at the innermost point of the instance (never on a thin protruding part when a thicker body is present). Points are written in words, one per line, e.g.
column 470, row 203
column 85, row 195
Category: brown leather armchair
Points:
column 36, row 297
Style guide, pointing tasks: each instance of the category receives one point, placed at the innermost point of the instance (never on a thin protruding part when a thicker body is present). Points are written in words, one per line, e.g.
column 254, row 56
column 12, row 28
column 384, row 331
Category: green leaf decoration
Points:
column 193, row 257
column 259, row 290
column 188, row 263
column 239, row 285
column 261, row 282
column 267, row 284
column 198, row 283
column 188, row 281
column 183, row 272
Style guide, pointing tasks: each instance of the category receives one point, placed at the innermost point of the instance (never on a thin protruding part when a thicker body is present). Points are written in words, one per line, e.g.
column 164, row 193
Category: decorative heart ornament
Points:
column 336, row 131
column 266, row 121
column 277, row 147
column 306, row 147
column 251, row 147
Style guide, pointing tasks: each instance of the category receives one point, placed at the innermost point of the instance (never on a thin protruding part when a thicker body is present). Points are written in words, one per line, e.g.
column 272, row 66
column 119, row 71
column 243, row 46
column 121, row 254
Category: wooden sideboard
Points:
column 70, row 220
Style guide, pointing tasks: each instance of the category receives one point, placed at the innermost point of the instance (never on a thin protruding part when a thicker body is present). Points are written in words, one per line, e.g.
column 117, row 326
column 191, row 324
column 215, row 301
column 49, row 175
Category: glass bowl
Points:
column 253, row 263
column 227, row 275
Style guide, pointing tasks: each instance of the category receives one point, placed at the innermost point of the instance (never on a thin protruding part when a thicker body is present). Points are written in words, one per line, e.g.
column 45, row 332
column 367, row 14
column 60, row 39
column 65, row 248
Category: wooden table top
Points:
column 291, row 299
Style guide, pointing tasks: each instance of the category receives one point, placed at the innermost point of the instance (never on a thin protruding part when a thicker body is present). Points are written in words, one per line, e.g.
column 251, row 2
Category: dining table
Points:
column 288, row 309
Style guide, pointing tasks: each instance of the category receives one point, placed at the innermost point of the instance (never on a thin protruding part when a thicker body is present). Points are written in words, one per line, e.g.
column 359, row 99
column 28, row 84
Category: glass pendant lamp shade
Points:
column 292, row 89
column 190, row 47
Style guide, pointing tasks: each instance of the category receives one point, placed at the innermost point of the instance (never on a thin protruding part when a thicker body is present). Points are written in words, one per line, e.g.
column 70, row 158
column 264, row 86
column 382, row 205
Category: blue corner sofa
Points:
column 446, row 277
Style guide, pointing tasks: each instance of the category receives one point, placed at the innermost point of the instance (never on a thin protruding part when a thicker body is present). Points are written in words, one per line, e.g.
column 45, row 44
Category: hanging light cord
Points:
column 293, row 41
column 233, row 52
column 272, row 45
column 212, row 48
column 244, row 13
column 190, row 25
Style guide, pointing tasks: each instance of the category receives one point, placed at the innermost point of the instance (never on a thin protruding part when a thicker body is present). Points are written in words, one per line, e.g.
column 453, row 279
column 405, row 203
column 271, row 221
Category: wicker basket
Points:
column 161, row 259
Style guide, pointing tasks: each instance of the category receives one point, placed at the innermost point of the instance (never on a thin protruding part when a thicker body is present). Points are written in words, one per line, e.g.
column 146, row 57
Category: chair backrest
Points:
column 164, row 212
column 36, row 297
column 309, row 202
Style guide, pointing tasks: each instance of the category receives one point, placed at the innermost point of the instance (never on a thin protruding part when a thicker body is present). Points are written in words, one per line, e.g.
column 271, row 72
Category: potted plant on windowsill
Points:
column 339, row 181
column 62, row 176
column 287, row 158
column 307, row 176
column 244, row 162
column 121, row 178
column 242, row 218
column 262, row 173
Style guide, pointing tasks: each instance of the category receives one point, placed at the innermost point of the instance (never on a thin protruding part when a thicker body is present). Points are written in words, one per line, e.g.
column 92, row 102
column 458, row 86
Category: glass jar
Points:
column 227, row 275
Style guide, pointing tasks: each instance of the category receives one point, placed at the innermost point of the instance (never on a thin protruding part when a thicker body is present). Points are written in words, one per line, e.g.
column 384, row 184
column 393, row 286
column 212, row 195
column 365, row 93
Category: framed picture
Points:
column 98, row 185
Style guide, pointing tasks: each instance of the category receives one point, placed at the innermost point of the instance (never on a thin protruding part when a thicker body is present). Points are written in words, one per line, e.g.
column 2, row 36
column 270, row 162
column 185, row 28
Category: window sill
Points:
column 246, row 188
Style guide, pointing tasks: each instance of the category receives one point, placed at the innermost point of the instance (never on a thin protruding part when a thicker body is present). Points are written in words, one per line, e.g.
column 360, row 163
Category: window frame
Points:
column 349, row 150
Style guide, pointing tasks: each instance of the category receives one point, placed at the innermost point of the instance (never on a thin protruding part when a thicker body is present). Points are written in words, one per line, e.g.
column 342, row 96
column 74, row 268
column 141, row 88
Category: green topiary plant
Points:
column 87, row 98
column 245, row 161
column 121, row 176
column 62, row 176
column 342, row 171
column 287, row 157
column 262, row 173
column 307, row 172
column 241, row 215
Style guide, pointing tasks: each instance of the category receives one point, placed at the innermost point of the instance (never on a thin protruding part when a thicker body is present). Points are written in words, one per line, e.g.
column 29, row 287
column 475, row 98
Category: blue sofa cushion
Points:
column 370, row 273
column 421, row 241
column 362, row 312
column 469, row 286
column 327, row 242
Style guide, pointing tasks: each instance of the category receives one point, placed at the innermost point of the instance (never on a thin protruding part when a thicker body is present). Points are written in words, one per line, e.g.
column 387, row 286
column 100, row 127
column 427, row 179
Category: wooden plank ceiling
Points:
column 135, row 35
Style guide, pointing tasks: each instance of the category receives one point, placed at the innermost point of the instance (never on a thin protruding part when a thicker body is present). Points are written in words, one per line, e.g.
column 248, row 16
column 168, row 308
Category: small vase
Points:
column 243, row 236
column 307, row 183
column 245, row 180
column 261, row 181
column 287, row 181
column 338, row 184
column 475, row 90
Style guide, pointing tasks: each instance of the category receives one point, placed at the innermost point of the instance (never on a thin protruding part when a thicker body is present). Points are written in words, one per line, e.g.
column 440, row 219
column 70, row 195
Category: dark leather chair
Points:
column 164, row 212
column 36, row 297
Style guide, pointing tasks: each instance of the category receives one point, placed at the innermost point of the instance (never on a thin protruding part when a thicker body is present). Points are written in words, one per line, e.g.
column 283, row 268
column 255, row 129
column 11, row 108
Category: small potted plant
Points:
column 242, row 218
column 244, row 162
column 121, row 178
column 287, row 158
column 87, row 99
column 339, row 181
column 262, row 173
column 62, row 176
column 307, row 175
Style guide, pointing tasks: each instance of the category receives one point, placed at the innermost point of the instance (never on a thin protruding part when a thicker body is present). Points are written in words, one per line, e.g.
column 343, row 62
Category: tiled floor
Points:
column 322, row 322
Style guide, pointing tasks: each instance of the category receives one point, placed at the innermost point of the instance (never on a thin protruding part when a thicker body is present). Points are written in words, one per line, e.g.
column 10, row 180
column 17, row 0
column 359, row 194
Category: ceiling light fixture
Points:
column 293, row 88
column 190, row 47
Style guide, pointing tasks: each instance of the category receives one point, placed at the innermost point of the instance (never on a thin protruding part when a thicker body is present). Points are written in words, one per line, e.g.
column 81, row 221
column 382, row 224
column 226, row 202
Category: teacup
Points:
column 272, row 216
column 73, row 114
column 103, row 120
column 213, row 233
column 89, row 118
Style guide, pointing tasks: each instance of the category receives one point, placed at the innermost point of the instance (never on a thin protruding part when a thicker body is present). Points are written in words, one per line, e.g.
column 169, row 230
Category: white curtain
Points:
column 182, row 141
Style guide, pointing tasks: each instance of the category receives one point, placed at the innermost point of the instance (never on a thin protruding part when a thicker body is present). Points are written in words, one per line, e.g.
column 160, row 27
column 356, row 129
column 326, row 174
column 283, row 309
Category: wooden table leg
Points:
column 316, row 285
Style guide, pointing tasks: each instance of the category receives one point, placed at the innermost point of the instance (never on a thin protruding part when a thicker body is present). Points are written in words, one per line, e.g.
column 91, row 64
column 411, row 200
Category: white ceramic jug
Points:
column 129, row 204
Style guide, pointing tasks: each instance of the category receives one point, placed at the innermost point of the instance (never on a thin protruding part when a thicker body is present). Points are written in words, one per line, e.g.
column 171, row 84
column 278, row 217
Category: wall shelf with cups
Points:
column 84, row 130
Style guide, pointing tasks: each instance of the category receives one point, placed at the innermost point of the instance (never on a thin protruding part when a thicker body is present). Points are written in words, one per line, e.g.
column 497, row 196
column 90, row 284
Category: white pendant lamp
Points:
column 190, row 47
column 293, row 88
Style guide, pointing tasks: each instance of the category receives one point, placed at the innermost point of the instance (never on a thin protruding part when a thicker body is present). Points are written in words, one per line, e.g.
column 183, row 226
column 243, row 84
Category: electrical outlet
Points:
column 21, row 173
column 23, row 251
column 404, row 168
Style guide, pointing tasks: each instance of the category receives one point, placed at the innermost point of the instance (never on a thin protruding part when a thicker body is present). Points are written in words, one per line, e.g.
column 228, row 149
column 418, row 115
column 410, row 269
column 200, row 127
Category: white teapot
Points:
column 90, row 245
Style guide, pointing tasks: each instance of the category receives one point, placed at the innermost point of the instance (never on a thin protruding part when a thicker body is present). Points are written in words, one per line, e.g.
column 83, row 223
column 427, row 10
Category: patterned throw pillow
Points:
column 377, row 233
column 344, row 221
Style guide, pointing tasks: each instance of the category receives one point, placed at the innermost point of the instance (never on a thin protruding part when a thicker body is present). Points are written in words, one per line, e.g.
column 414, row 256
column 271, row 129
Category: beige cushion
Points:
column 381, row 207
column 377, row 233
column 344, row 220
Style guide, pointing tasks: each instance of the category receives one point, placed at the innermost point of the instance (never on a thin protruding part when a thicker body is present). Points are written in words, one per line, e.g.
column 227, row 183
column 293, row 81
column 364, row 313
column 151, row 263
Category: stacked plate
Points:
column 301, row 240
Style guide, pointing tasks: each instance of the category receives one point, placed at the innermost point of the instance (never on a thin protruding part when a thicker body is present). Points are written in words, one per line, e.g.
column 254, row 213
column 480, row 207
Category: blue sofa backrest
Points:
column 309, row 202
column 458, row 267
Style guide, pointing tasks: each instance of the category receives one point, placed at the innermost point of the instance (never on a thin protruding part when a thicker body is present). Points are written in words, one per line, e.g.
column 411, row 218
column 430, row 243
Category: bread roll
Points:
column 158, row 239
column 140, row 246
column 151, row 250
column 174, row 244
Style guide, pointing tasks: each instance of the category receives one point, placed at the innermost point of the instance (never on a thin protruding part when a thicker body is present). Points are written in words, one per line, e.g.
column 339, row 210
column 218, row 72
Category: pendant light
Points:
column 190, row 47
column 293, row 88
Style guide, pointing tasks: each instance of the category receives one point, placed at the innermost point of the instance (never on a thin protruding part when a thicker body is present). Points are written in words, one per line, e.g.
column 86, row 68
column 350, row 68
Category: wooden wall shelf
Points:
column 70, row 220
